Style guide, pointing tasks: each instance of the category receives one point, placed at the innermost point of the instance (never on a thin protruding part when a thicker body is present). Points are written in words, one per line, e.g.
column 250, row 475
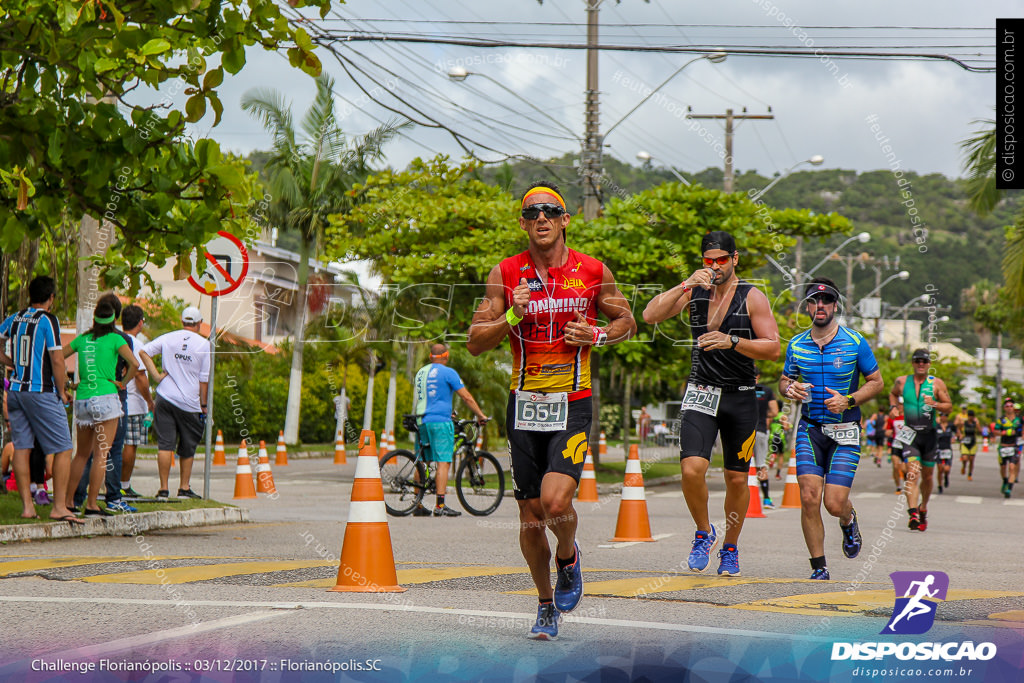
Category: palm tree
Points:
column 980, row 164
column 983, row 196
column 310, row 175
column 976, row 300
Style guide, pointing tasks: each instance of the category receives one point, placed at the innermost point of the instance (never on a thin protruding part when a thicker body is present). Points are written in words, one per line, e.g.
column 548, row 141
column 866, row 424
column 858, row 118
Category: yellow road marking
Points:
column 414, row 576
column 16, row 567
column 858, row 603
column 203, row 572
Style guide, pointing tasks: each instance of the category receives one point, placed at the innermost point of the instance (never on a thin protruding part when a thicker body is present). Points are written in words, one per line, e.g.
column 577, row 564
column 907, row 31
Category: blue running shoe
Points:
column 546, row 627
column 703, row 544
column 851, row 537
column 820, row 574
column 729, row 560
column 569, row 586
column 121, row 506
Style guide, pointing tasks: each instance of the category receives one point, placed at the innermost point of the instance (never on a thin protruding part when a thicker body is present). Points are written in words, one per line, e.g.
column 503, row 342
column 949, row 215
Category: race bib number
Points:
column 702, row 398
column 844, row 433
column 541, row 412
column 945, row 454
column 906, row 435
column 1007, row 451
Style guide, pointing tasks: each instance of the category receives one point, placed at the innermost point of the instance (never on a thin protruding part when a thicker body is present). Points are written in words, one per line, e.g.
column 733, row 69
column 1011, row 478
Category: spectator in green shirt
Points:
column 97, row 406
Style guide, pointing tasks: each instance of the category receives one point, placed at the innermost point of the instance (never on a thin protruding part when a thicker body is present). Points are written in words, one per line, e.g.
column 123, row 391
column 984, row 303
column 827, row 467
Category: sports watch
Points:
column 850, row 401
column 735, row 340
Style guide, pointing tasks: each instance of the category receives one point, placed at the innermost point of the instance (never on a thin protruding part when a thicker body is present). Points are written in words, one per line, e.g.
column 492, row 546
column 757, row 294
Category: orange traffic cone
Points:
column 633, row 523
column 243, row 475
column 218, row 450
column 754, row 506
column 282, row 451
column 339, row 448
column 264, row 477
column 385, row 444
column 791, row 497
column 602, row 446
column 588, row 482
column 984, row 444
column 367, row 559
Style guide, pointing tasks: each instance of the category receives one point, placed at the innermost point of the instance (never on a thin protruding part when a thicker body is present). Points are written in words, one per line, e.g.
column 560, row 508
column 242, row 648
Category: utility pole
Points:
column 590, row 161
column 730, row 117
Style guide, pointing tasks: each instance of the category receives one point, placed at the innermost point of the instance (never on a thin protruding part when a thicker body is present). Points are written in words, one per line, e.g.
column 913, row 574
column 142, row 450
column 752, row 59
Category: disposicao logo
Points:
column 916, row 596
column 914, row 612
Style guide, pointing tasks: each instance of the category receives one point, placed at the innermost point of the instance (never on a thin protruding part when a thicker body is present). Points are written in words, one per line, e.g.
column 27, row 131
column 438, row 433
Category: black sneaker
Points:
column 445, row 511
column 851, row 537
column 130, row 494
column 188, row 493
column 163, row 494
column 98, row 513
column 421, row 511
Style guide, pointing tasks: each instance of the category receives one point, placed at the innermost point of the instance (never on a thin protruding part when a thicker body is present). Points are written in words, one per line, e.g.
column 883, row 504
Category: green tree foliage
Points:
column 75, row 142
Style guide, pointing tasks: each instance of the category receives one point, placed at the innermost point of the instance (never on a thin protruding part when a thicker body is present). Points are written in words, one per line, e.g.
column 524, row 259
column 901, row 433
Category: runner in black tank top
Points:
column 732, row 327
column 969, row 432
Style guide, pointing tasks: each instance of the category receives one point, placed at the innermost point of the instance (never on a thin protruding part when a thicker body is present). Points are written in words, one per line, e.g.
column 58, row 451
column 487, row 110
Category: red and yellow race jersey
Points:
column 541, row 360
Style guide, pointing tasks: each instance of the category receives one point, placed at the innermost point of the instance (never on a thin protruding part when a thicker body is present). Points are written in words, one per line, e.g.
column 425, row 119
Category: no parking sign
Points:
column 220, row 267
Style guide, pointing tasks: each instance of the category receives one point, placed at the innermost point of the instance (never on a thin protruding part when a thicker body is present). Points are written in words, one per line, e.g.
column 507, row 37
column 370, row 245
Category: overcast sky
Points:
column 924, row 107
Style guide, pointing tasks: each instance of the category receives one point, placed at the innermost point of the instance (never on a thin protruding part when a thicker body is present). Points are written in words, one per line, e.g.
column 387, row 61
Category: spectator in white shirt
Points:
column 180, row 412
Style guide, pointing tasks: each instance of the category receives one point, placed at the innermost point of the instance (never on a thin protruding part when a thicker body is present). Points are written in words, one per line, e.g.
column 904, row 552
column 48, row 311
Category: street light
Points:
column 459, row 74
column 902, row 275
column 646, row 158
column 716, row 57
column 816, row 160
column 862, row 237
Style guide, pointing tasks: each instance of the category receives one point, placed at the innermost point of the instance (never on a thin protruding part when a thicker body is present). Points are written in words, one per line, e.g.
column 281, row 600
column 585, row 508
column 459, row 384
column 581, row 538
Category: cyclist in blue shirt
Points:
column 822, row 370
column 432, row 402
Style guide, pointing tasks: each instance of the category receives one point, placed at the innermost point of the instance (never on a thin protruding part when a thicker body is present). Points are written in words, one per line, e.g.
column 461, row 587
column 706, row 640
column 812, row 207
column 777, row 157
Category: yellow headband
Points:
column 543, row 190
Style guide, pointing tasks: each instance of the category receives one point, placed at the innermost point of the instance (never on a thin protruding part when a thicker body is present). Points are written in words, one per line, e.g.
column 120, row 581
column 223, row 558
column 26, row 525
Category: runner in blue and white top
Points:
column 822, row 369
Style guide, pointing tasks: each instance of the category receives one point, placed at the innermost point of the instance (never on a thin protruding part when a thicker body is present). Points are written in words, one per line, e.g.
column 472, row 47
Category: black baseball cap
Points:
column 921, row 354
column 718, row 239
column 821, row 287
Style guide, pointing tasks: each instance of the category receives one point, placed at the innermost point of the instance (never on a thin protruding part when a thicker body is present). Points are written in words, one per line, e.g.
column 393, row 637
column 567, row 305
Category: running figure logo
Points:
column 914, row 612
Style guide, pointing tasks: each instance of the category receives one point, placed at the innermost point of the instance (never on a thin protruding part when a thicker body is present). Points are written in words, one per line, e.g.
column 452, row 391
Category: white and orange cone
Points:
column 264, row 477
column 282, row 451
column 602, row 446
column 754, row 506
column 367, row 559
column 243, row 475
column 218, row 450
column 588, row 482
column 791, row 496
column 633, row 524
column 339, row 448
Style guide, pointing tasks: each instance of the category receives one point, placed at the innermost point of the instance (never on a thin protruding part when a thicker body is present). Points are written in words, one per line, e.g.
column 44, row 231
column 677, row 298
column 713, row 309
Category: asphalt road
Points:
column 251, row 601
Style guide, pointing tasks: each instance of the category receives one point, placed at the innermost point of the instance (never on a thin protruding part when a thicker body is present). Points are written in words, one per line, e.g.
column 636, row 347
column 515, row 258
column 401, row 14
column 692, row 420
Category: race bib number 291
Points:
column 703, row 398
column 541, row 412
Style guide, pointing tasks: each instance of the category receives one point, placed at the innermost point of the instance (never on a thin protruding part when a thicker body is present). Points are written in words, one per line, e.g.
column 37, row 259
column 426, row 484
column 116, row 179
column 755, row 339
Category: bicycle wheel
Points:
column 402, row 477
column 480, row 483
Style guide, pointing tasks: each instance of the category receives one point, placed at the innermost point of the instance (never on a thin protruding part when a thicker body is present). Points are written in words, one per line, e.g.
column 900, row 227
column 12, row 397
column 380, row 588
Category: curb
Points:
column 124, row 525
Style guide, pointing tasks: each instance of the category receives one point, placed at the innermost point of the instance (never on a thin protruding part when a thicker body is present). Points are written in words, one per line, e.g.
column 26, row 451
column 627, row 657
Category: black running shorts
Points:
column 925, row 447
column 176, row 429
column 735, row 421
column 534, row 454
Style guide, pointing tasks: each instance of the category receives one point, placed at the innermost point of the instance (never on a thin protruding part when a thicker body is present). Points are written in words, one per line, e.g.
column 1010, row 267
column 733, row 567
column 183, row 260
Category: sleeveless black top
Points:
column 726, row 368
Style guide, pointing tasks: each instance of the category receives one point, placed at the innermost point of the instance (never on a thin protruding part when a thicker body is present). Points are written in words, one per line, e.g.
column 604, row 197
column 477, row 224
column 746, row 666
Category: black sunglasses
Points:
column 532, row 212
column 821, row 299
column 922, row 360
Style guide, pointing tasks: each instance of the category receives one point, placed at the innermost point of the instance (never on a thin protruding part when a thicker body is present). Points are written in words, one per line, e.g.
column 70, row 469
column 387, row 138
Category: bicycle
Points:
column 406, row 477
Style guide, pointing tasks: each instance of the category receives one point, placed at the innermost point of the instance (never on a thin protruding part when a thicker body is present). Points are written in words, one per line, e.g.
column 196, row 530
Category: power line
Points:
column 341, row 37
